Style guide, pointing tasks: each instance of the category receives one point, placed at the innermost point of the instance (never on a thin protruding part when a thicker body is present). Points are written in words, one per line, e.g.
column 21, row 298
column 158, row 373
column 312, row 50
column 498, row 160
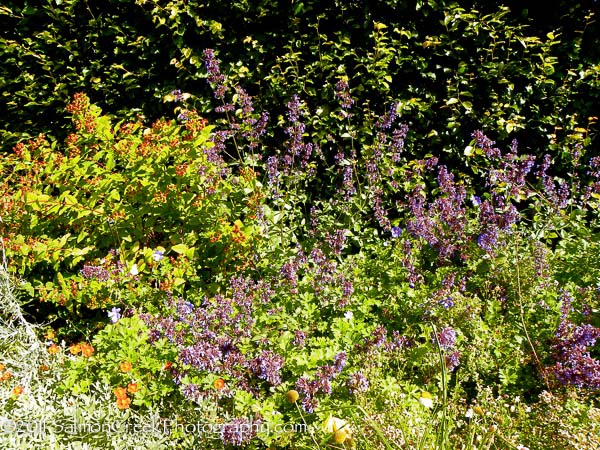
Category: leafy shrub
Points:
column 122, row 208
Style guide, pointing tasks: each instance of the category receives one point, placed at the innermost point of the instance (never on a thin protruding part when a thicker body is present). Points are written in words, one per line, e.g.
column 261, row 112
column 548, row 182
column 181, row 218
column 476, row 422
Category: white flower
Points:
column 522, row 447
column 134, row 270
column 469, row 413
column 426, row 399
column 348, row 315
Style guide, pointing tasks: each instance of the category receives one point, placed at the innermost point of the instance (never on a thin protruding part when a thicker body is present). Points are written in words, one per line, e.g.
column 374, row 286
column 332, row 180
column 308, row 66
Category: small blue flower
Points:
column 114, row 315
column 158, row 255
column 447, row 302
column 396, row 232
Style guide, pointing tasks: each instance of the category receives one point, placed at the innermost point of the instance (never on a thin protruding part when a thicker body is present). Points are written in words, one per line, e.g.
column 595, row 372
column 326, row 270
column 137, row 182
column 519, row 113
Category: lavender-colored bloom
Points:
column 186, row 308
column 202, row 355
column 288, row 272
column 574, row 363
column 268, row 367
column 379, row 336
column 154, row 335
column 273, row 170
column 447, row 302
column 114, row 315
column 215, row 77
column 396, row 232
column 446, row 338
column 452, row 360
column 342, row 94
column 158, row 255
column 388, row 118
column 98, row 273
column 339, row 361
column 357, row 383
column 178, row 96
column 299, row 338
column 347, row 289
column 307, row 387
column 486, row 145
column 488, row 240
column 309, row 404
column 238, row 432
column 397, row 342
column 191, row 391
column 336, row 241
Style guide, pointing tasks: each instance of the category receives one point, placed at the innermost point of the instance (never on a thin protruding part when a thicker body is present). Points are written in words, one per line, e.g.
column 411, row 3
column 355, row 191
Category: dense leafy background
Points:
column 455, row 66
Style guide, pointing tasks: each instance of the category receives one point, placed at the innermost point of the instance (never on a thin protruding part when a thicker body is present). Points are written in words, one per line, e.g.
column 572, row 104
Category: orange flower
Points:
column 123, row 403
column 17, row 391
column 2, row 367
column 219, row 383
column 6, row 376
column 125, row 366
column 74, row 349
column 120, row 392
column 44, row 367
column 132, row 388
column 50, row 334
column 167, row 365
column 53, row 349
column 87, row 350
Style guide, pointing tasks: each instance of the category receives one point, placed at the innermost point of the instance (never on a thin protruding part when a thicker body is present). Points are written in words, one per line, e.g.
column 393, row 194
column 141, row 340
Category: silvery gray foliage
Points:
column 39, row 419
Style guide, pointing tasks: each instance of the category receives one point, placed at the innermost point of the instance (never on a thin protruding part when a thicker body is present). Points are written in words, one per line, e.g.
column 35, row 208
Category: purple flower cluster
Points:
column 487, row 145
column 98, row 273
column 211, row 336
column 268, row 367
column 446, row 338
column 296, row 149
column 357, row 383
column 239, row 431
column 299, row 338
column 574, row 364
column 109, row 269
column 336, row 241
column 202, row 355
column 452, row 360
column 289, row 273
column 177, row 96
column 192, row 392
column 443, row 222
column 342, row 94
column 388, row 118
column 321, row 383
column 253, row 128
column 345, row 168
column 377, row 339
column 215, row 77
